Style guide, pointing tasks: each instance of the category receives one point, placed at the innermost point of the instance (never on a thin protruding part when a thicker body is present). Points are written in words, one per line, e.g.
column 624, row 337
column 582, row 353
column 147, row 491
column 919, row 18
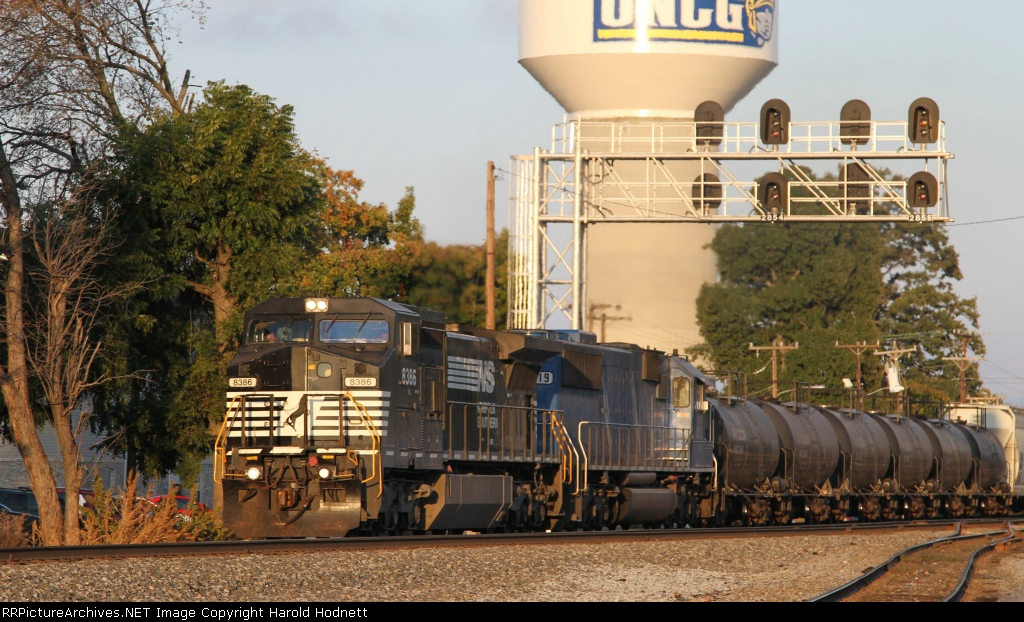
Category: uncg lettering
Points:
column 692, row 14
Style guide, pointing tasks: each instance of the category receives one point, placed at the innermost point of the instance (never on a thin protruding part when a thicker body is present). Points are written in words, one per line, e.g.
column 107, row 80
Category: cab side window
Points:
column 681, row 392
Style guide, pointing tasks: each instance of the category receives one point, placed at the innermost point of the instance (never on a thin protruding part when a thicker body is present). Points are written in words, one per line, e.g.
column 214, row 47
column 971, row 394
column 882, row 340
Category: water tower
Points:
column 630, row 74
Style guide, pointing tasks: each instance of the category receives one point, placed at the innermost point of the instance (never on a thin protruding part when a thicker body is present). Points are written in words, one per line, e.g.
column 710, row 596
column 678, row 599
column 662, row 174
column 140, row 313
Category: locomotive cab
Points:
column 309, row 399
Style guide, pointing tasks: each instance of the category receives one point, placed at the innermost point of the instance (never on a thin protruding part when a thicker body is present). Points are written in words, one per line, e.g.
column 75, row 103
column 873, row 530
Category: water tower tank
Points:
column 647, row 58
column 643, row 66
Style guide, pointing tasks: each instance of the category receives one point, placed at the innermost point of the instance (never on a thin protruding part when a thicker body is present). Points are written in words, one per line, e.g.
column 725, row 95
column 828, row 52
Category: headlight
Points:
column 316, row 304
column 325, row 473
column 254, row 473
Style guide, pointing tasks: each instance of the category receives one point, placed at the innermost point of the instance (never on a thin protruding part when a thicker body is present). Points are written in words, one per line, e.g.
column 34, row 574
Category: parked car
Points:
column 22, row 500
column 85, row 497
column 28, row 519
column 184, row 503
column 19, row 500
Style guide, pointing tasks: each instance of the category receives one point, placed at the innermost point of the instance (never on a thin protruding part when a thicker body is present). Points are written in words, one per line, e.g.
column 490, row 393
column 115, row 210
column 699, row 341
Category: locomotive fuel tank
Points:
column 910, row 448
column 747, row 444
column 863, row 448
column 810, row 450
column 989, row 459
column 952, row 454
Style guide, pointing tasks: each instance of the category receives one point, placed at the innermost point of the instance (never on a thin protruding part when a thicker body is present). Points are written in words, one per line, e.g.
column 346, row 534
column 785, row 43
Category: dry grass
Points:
column 133, row 519
column 12, row 531
column 129, row 518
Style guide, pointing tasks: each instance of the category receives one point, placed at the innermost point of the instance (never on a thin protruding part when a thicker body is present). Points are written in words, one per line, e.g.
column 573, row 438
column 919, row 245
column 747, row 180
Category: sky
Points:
column 424, row 94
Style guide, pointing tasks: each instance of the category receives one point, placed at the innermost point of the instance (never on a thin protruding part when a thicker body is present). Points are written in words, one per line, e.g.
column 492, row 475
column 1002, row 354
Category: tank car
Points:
column 362, row 416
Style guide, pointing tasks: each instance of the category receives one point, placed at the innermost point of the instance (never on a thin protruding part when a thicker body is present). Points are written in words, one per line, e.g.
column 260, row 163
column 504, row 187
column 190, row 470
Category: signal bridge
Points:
column 604, row 172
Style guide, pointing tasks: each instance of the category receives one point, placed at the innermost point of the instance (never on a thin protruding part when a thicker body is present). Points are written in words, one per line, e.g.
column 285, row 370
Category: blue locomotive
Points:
column 350, row 416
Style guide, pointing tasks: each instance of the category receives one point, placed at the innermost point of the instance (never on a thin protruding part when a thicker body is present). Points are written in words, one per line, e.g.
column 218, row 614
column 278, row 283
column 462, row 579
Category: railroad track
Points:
column 244, row 547
column 937, row 571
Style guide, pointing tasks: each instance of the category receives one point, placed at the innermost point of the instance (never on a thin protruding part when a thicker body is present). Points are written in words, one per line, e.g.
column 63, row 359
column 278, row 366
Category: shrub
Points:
column 133, row 519
column 12, row 531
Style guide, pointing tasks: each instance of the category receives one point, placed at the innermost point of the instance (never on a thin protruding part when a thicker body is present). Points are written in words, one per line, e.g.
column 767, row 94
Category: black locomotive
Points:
column 351, row 416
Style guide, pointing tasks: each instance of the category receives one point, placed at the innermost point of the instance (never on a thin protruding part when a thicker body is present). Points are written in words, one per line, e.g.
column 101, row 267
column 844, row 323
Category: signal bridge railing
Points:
column 740, row 140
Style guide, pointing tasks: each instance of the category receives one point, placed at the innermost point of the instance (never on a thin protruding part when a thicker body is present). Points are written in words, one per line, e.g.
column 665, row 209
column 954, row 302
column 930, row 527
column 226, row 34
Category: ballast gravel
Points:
column 784, row 568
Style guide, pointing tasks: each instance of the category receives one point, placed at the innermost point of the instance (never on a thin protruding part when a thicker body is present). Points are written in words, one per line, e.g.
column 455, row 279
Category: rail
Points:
column 856, row 585
column 960, row 590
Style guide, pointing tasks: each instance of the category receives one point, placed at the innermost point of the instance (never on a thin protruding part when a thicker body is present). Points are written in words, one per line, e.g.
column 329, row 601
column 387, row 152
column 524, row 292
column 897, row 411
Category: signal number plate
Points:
column 242, row 383
column 360, row 382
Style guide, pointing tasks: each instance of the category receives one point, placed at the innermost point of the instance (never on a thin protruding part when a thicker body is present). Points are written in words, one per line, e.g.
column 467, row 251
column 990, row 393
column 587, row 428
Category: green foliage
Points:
column 920, row 268
column 819, row 284
column 238, row 197
column 451, row 279
column 221, row 210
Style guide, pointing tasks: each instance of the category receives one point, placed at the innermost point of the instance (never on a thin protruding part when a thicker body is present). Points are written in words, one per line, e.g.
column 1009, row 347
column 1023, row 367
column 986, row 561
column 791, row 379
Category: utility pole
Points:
column 491, row 324
column 604, row 317
column 858, row 348
column 962, row 363
column 777, row 346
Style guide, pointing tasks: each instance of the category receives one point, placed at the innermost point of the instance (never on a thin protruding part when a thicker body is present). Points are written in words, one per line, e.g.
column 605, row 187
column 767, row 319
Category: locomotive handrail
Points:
column 515, row 441
column 630, row 446
column 375, row 459
column 562, row 438
column 219, row 447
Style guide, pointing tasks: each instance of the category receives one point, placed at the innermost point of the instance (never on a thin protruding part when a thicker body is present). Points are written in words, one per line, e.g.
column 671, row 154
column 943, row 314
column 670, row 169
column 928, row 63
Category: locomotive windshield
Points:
column 354, row 331
column 279, row 331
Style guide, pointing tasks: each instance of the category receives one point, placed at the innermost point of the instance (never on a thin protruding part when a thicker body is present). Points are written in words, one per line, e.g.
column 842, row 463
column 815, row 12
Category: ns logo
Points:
column 743, row 22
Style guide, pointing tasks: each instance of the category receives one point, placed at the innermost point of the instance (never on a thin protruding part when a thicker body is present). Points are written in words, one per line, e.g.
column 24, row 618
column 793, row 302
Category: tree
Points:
column 67, row 307
column 822, row 283
column 235, row 196
column 451, row 279
column 71, row 73
column 920, row 268
column 368, row 249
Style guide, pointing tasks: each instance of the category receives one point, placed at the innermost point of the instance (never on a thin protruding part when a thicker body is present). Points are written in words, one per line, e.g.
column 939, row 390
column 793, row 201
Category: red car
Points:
column 185, row 504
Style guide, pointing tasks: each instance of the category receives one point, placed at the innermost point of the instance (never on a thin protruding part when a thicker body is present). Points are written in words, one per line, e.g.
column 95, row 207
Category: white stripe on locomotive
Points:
column 323, row 412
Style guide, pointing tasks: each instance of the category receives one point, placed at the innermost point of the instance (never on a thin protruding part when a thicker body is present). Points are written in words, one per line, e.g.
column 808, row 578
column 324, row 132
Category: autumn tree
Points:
column 368, row 248
column 71, row 73
column 451, row 278
column 68, row 304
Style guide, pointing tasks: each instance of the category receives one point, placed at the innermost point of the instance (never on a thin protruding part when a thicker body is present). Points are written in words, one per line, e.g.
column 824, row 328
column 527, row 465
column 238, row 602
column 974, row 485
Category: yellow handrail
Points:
column 220, row 445
column 375, row 461
column 566, row 447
